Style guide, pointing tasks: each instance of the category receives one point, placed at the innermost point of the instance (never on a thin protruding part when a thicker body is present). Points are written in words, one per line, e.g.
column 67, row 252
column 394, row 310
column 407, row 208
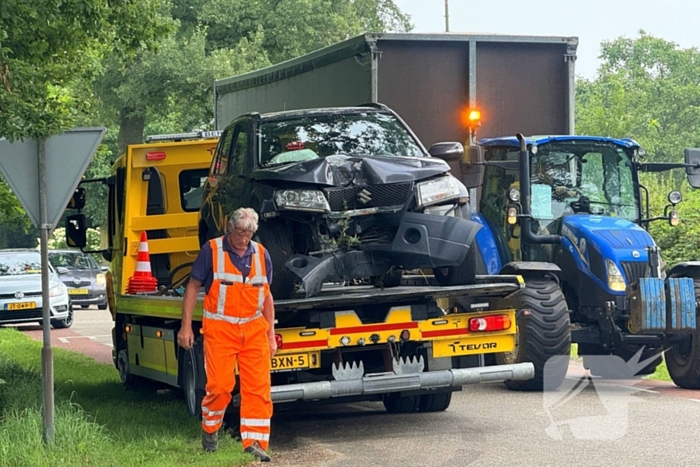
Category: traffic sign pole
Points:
column 46, row 351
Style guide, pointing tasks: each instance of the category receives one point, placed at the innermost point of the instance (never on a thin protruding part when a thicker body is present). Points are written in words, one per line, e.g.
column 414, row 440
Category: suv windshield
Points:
column 316, row 136
column 19, row 264
column 71, row 260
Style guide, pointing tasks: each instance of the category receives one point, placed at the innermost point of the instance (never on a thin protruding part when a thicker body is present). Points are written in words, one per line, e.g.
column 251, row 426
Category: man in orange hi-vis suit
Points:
column 238, row 326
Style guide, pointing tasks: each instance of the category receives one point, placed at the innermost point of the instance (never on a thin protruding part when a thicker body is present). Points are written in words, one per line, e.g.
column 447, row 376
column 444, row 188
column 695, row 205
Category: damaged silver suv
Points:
column 342, row 193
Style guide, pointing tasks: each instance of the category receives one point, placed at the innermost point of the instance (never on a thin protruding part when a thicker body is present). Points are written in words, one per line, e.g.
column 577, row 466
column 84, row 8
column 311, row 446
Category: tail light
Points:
column 155, row 156
column 279, row 341
column 489, row 323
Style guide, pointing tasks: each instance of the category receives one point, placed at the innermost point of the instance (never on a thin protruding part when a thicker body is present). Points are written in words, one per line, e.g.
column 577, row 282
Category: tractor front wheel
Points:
column 544, row 335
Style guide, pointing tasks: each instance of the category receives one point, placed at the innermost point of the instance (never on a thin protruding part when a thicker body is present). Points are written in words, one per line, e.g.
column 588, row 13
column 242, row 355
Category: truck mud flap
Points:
column 382, row 383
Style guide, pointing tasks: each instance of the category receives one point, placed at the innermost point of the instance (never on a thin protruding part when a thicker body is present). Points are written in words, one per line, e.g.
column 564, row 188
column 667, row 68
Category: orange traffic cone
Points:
column 142, row 281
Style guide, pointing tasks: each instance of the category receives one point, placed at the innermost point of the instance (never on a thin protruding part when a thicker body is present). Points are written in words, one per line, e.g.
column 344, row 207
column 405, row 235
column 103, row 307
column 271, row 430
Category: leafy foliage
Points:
column 647, row 89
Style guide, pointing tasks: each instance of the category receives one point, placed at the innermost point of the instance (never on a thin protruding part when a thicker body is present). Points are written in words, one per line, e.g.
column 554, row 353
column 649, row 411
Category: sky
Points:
column 592, row 21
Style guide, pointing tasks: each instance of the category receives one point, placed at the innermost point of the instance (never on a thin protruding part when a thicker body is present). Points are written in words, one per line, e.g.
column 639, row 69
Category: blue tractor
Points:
column 570, row 215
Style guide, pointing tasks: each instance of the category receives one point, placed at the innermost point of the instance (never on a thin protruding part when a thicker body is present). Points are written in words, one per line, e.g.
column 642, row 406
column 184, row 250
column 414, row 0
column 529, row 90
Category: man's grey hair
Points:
column 244, row 218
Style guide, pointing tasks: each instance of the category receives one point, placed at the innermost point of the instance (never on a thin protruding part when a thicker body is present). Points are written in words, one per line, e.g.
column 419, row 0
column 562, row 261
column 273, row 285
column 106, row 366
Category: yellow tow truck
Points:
column 409, row 346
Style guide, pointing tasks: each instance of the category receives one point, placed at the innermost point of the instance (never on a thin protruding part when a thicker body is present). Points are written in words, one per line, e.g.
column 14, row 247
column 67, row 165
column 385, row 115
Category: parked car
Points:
column 20, row 290
column 84, row 278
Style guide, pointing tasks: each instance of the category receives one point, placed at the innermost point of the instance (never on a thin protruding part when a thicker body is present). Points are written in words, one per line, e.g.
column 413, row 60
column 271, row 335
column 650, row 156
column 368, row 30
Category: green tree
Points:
column 50, row 53
column 647, row 89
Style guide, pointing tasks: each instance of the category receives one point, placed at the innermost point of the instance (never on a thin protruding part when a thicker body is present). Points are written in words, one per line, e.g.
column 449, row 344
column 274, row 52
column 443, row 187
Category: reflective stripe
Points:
column 231, row 319
column 220, row 264
column 221, row 304
column 212, row 422
column 143, row 246
column 224, row 276
column 259, row 278
column 142, row 266
column 212, row 413
column 255, row 421
column 253, row 435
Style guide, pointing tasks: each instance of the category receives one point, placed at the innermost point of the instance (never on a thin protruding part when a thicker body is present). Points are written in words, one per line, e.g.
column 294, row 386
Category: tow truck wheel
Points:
column 394, row 402
column 275, row 238
column 683, row 359
column 127, row 379
column 434, row 402
column 191, row 388
column 544, row 336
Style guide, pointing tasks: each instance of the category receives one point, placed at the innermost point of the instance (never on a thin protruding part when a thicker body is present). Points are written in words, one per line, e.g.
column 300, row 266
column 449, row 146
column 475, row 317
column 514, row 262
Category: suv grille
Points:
column 26, row 294
column 343, row 199
column 634, row 270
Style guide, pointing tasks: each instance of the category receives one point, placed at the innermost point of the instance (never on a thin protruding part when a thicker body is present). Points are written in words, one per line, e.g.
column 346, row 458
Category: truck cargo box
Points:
column 520, row 83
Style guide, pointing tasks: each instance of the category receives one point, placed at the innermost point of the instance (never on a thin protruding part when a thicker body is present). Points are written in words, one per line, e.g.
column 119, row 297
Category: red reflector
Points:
column 155, row 156
column 489, row 323
column 278, row 339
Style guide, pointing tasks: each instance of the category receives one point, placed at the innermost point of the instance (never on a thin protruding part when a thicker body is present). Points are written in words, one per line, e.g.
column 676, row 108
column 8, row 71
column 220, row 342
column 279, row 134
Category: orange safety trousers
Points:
column 224, row 345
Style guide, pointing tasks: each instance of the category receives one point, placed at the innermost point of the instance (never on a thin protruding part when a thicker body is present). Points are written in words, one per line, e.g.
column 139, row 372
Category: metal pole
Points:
column 447, row 16
column 46, row 352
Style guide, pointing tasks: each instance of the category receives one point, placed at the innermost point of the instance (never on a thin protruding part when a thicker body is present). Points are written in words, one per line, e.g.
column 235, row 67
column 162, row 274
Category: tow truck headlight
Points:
column 437, row 190
column 56, row 291
column 615, row 280
column 302, row 200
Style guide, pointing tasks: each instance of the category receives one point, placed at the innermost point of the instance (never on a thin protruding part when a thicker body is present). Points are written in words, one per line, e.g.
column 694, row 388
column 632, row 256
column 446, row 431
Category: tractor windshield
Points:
column 564, row 172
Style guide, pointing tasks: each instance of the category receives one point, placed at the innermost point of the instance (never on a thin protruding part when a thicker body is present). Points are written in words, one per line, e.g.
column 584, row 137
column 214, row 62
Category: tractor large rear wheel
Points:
column 683, row 359
column 544, row 335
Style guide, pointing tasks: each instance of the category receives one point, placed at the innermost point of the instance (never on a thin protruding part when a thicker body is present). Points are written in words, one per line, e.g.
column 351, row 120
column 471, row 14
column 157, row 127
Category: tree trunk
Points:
column 131, row 125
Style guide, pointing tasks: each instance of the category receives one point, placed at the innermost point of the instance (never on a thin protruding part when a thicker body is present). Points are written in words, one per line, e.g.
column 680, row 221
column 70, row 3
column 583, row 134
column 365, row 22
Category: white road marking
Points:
column 66, row 340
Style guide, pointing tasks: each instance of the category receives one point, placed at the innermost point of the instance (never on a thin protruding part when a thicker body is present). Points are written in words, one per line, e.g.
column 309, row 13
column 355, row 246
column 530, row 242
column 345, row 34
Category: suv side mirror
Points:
column 76, row 234
column 447, row 151
column 77, row 201
column 692, row 157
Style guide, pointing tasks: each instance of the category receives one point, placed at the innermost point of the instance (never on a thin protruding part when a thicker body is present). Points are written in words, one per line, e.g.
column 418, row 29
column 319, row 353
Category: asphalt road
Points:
column 633, row 423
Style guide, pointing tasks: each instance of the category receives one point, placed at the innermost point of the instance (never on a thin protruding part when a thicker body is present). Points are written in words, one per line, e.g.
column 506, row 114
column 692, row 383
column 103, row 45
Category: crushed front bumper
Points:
column 421, row 241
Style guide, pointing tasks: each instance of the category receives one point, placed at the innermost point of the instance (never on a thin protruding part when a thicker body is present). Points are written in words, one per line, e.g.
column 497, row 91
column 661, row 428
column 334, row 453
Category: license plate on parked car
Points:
column 77, row 291
column 20, row 306
column 295, row 361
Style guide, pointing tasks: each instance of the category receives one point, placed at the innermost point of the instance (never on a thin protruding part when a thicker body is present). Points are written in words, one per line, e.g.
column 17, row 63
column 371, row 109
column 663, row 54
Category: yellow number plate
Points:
column 78, row 291
column 295, row 361
column 473, row 345
column 20, row 306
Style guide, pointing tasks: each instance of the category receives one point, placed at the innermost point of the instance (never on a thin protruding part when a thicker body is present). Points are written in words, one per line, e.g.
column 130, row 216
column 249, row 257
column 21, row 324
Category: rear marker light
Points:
column 307, row 333
column 279, row 341
column 127, row 328
column 489, row 323
column 440, row 322
column 345, row 340
column 159, row 333
column 155, row 156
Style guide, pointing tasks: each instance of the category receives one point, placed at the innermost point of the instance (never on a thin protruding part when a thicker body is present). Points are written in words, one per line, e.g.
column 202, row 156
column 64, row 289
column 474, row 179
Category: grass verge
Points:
column 97, row 421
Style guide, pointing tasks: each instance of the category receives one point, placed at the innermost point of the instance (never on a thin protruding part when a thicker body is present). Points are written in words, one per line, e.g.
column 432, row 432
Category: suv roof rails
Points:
column 376, row 105
column 180, row 136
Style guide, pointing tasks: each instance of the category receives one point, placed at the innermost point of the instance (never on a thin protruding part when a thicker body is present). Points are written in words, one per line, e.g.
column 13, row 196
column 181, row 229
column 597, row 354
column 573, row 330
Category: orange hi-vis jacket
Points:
column 235, row 331
column 231, row 298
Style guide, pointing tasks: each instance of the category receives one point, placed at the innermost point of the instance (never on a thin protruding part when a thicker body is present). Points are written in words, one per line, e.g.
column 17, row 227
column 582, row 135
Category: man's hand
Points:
column 273, row 344
column 185, row 338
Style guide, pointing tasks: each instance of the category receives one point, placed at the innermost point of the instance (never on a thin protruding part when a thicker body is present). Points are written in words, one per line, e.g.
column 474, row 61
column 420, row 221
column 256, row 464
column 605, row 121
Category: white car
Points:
column 20, row 290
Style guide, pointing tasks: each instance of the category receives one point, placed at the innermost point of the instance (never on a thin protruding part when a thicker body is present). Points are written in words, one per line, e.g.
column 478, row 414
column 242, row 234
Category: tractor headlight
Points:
column 615, row 280
column 302, row 200
column 437, row 190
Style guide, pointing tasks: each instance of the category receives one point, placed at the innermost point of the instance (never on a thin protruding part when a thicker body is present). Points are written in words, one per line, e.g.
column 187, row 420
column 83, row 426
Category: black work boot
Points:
column 258, row 452
column 210, row 441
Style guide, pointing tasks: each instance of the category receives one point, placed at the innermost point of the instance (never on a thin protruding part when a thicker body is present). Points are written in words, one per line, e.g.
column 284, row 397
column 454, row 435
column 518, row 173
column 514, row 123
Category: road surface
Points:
column 632, row 423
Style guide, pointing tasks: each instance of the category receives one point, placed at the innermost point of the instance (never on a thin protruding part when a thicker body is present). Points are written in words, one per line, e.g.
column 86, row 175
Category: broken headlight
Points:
column 437, row 191
column 301, row 200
